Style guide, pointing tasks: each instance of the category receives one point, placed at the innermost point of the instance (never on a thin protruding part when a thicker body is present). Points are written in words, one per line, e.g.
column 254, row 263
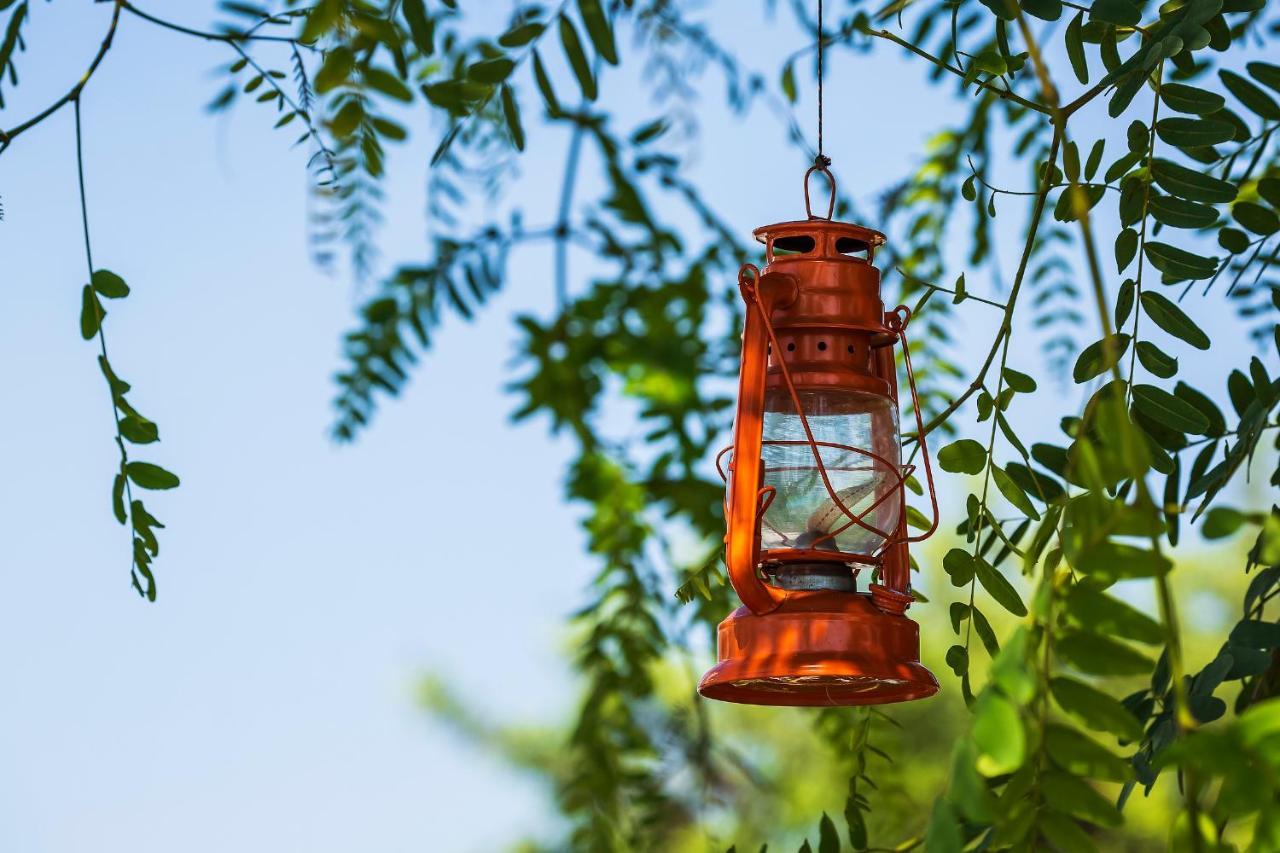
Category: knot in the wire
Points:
column 822, row 161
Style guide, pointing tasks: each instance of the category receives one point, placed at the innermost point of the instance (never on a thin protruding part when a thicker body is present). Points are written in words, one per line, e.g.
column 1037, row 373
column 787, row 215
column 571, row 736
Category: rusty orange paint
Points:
column 820, row 294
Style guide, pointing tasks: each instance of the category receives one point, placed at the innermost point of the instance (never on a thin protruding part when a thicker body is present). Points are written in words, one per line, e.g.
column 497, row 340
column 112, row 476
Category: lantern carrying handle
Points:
column 747, row 496
column 897, row 320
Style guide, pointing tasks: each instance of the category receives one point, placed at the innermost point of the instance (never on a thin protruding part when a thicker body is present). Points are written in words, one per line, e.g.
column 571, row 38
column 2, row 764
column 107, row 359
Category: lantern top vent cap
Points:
column 819, row 238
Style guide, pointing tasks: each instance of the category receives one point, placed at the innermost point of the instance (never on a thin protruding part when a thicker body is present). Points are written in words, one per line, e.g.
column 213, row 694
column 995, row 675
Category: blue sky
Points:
column 266, row 701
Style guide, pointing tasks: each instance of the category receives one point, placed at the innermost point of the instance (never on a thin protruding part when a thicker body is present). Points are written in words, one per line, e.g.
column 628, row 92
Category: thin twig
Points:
column 1003, row 93
column 230, row 38
column 7, row 137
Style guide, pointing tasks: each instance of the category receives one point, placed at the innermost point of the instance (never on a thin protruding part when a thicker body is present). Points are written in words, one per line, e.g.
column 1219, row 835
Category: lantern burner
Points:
column 837, row 576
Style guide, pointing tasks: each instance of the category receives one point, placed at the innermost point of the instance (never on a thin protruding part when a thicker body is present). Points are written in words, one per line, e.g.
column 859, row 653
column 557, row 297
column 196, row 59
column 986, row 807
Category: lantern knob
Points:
column 890, row 600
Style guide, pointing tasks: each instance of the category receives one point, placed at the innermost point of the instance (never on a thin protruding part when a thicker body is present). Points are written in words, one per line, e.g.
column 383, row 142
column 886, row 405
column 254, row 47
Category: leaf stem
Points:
column 102, row 348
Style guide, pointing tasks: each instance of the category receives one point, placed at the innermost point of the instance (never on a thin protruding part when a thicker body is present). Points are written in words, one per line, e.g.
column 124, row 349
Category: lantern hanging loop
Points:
column 820, row 166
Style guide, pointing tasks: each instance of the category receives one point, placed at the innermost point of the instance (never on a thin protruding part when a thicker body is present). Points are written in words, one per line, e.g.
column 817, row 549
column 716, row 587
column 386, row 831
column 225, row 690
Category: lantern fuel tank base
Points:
column 819, row 648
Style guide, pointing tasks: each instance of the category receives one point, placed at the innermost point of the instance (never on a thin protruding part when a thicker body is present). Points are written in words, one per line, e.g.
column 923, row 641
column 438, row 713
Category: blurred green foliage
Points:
column 1072, row 718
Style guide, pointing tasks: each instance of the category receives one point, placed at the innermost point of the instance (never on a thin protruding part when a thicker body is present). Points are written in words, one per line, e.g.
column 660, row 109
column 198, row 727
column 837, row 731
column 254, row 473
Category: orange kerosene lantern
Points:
column 816, row 485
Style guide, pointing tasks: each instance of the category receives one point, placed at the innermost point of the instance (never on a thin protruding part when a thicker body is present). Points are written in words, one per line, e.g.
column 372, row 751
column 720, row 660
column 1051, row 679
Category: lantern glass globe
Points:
column 803, row 514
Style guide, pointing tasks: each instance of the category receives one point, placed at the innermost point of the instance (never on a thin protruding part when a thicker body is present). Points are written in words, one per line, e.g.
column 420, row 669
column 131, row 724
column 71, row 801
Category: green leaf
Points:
column 573, row 51
column 1037, row 485
column 828, row 838
column 965, row 456
column 324, row 16
column 388, row 84
column 138, row 430
column 348, row 119
column 1013, row 493
column 985, row 632
column 543, row 80
column 1119, row 12
column 1258, row 101
column 1255, row 218
column 1180, row 263
column 1100, row 612
column 1005, row 10
column 1099, row 357
column 1018, row 381
column 943, row 833
column 1126, row 248
column 117, row 499
column 1265, row 73
column 1191, row 184
column 1171, row 318
column 521, row 35
column 421, row 27
column 91, row 314
column 1269, row 189
column 1194, row 132
column 958, row 659
column 109, row 285
column 1111, row 561
column 1095, row 159
column 1010, row 672
column 788, row 82
column 1097, row 655
column 599, row 30
column 511, row 112
column 1256, row 634
column 491, row 71
column 958, row 564
column 1206, row 407
column 336, row 69
column 1189, row 99
column 1133, row 195
column 1073, row 796
column 1233, row 240
column 1124, row 302
column 1045, row 10
column 968, row 792
column 1075, row 48
column 1220, row 522
column 1180, row 213
column 998, row 587
column 148, row 476
column 650, row 131
column 1096, row 709
column 1064, row 832
column 1156, row 361
column 1170, row 411
column 999, row 735
column 1071, row 162
column 1121, row 167
column 1082, row 756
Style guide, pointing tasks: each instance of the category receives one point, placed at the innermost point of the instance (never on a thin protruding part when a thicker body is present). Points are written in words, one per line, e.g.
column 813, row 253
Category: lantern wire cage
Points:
column 896, row 322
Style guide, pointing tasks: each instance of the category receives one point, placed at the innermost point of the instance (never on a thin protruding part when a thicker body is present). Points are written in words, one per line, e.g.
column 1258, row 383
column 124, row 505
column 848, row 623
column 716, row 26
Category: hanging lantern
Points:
column 816, row 485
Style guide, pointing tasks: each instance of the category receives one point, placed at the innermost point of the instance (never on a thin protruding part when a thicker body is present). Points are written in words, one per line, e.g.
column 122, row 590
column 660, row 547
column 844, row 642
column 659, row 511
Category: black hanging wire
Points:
column 822, row 160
